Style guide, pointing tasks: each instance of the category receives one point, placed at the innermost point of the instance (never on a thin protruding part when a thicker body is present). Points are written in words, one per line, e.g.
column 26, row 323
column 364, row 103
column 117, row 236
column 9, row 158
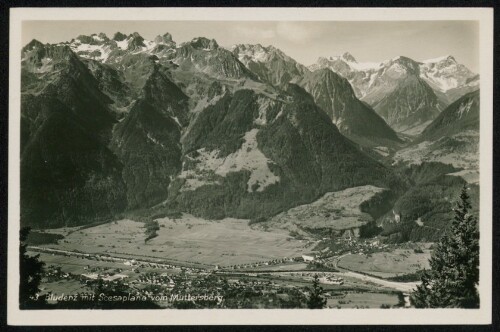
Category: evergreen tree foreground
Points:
column 316, row 300
column 30, row 274
column 454, row 275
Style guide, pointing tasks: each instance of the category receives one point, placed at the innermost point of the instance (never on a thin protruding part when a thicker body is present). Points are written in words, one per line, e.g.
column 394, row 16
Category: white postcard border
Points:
column 16, row 316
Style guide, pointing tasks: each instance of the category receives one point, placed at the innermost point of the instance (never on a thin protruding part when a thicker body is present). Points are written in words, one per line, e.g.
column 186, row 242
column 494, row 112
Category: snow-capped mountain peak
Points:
column 346, row 61
column 164, row 39
column 348, row 57
column 442, row 73
column 441, row 58
column 256, row 53
column 269, row 63
column 445, row 73
column 99, row 47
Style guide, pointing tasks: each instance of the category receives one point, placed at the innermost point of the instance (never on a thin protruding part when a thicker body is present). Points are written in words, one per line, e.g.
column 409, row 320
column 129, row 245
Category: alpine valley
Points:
column 244, row 157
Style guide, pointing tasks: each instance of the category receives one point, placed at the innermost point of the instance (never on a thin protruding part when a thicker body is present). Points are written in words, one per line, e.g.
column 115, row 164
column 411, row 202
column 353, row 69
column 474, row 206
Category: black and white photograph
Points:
column 316, row 164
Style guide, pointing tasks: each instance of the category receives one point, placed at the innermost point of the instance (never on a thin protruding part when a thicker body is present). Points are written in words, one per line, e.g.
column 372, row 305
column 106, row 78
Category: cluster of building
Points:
column 277, row 261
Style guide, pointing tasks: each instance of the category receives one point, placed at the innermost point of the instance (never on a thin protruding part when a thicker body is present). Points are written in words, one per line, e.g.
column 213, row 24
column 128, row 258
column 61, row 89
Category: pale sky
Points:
column 303, row 41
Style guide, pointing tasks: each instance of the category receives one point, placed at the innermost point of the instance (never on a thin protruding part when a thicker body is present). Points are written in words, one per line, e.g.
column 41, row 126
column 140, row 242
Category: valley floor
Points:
column 208, row 252
column 189, row 239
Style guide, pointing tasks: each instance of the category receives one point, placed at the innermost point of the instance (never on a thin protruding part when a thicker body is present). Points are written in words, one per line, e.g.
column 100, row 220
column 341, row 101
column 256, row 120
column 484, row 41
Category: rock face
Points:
column 270, row 64
column 354, row 118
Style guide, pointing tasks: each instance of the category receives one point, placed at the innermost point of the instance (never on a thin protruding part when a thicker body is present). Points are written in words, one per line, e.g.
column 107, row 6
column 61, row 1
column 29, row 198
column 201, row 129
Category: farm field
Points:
column 387, row 264
column 188, row 239
column 365, row 300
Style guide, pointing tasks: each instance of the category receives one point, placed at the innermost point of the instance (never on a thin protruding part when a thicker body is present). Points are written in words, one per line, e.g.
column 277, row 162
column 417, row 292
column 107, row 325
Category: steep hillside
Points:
column 409, row 107
column 68, row 175
column 439, row 162
column 248, row 151
column 147, row 143
column 354, row 119
column 424, row 212
column 452, row 138
column 457, row 118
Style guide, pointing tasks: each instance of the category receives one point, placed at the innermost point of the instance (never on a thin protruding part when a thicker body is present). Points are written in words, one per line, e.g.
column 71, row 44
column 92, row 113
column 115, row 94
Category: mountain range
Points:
column 110, row 125
column 408, row 94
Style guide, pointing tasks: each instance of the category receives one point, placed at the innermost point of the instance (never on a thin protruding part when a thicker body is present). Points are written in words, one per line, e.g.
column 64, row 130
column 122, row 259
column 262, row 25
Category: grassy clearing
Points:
column 335, row 210
column 387, row 264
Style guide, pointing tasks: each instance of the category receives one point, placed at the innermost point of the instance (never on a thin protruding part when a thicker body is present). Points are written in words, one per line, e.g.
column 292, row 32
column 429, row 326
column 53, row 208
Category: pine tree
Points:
column 30, row 273
column 454, row 275
column 316, row 300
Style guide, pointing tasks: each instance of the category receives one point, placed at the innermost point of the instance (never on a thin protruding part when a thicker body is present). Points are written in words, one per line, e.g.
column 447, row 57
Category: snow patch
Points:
column 465, row 108
column 155, row 141
column 96, row 37
column 177, row 121
column 264, row 104
column 255, row 53
column 123, row 44
column 85, row 51
column 438, row 59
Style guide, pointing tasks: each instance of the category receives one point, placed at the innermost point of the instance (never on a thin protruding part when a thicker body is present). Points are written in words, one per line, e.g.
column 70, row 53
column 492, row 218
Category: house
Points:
column 307, row 258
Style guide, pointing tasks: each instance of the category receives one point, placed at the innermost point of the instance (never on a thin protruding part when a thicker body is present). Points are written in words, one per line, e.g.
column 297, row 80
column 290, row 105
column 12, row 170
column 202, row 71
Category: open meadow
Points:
column 188, row 239
column 387, row 264
column 337, row 211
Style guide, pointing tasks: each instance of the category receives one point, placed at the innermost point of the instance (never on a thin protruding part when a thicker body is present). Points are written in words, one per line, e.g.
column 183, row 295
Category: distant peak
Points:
column 249, row 46
column 165, row 39
column 167, row 36
column 136, row 41
column 32, row 44
column 399, row 58
column 119, row 36
column 136, row 35
column 93, row 38
column 440, row 59
column 348, row 57
column 403, row 60
column 103, row 36
column 204, row 43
